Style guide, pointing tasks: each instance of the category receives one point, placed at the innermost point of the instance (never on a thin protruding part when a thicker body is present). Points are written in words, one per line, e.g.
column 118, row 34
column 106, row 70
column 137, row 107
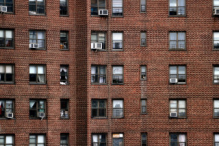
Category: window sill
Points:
column 117, row 16
column 64, row 49
column 10, row 48
column 64, row 84
column 36, row 49
column 215, row 49
column 117, row 83
column 63, row 15
column 37, row 83
column 98, row 83
column 117, row 50
column 144, row 113
column 143, row 45
column 177, row 118
column 7, row 118
column 118, row 117
column 64, row 118
column 142, row 12
column 12, row 13
column 37, row 14
column 98, row 117
column 177, row 15
column 177, row 84
column 143, row 79
column 177, row 49
column 37, row 119
column 7, row 83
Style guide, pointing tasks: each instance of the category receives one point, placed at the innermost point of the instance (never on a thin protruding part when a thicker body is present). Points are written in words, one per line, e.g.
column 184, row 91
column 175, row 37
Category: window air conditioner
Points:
column 33, row 45
column 3, row 9
column 173, row 80
column 41, row 114
column 9, row 115
column 95, row 46
column 103, row 12
column 216, row 11
column 173, row 114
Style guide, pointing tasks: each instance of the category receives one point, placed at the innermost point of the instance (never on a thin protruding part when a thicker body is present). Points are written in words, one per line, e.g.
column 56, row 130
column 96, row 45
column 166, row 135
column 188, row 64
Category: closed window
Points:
column 98, row 108
column 177, row 139
column 37, row 108
column 37, row 40
column 143, row 5
column 98, row 139
column 117, row 8
column 98, row 74
column 64, row 139
column 96, row 38
column 118, row 139
column 64, row 40
column 37, row 74
column 9, row 4
column 118, row 109
column 178, row 108
column 216, row 40
column 216, row 74
column 144, row 139
column 63, row 7
column 36, row 7
column 117, row 74
column 117, row 40
column 143, row 72
column 6, row 73
column 37, row 140
column 177, row 7
column 216, row 139
column 63, row 74
column 143, row 106
column 177, row 40
column 6, row 38
column 7, row 140
column 216, row 4
column 6, row 108
column 143, row 38
column 216, row 108
column 96, row 5
column 177, row 74
column 64, row 108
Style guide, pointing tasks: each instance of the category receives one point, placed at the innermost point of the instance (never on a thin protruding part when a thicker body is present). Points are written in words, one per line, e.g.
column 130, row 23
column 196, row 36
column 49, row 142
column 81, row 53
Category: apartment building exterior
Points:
column 117, row 72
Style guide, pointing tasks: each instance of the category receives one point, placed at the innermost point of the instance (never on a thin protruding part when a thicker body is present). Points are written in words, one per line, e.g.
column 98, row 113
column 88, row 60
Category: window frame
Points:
column 178, row 137
column 98, row 74
column 215, row 133
column 66, row 80
column 44, row 68
column 178, row 83
column 67, row 137
column 176, row 9
column 98, row 41
column 13, row 74
column 98, row 108
column 123, row 113
column 7, row 6
column 13, row 107
column 142, row 79
column 118, row 138
column 142, row 45
column 62, row 109
column 67, row 4
column 118, row 74
column 37, row 31
column 37, row 108
column 13, row 141
column 143, row 5
column 13, row 36
column 41, row 14
column 177, row 108
column 143, row 133
column 99, row 142
column 215, row 66
column 143, row 113
column 67, row 40
column 177, row 41
column 213, row 40
column 36, row 138
column 113, row 49
column 98, row 8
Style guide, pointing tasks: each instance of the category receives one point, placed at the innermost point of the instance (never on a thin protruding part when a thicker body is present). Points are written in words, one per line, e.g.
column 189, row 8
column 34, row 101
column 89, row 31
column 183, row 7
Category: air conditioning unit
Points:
column 41, row 114
column 9, row 115
column 173, row 80
column 173, row 114
column 216, row 11
column 3, row 9
column 103, row 12
column 96, row 46
column 33, row 45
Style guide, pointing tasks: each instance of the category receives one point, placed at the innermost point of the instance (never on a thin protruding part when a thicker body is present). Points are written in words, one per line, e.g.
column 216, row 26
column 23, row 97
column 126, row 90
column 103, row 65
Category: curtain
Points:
column 182, row 138
column 9, row 140
column 117, row 103
column 2, row 69
column 40, row 35
column 9, row 34
column 216, row 71
column 40, row 139
column 40, row 70
column 1, row 33
column 95, row 138
column 117, row 3
column 93, row 70
column 117, row 70
column 32, row 70
column 32, row 103
column 117, row 36
column 41, row 78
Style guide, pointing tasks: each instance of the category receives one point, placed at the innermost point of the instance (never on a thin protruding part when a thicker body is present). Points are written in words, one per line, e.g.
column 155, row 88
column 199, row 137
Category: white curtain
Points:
column 32, row 70
column 2, row 69
column 9, row 34
column 8, row 69
column 117, row 103
column 117, row 36
column 1, row 33
column 40, row 70
column 93, row 70
column 182, row 138
column 216, row 71
column 9, row 140
column 95, row 138
column 117, row 70
column 117, row 3
column 40, row 139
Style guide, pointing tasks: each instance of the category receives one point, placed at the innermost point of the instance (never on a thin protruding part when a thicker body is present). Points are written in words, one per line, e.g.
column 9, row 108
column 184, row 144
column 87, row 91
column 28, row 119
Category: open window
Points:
column 6, row 108
column 63, row 74
column 64, row 108
column 118, row 109
column 37, row 108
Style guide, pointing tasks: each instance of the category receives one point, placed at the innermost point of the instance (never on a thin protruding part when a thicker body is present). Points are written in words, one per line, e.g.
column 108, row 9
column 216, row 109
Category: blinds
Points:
column 117, row 70
column 117, row 36
column 216, row 70
column 117, row 3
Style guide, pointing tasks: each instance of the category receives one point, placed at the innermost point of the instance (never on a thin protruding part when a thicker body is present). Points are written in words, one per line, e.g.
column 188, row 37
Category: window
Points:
column 37, row 74
column 9, row 4
column 143, row 5
column 37, row 140
column 216, row 4
column 36, row 7
column 63, row 7
column 143, row 106
column 6, row 39
column 7, row 140
column 216, row 108
column 6, row 108
column 37, row 38
column 177, row 139
column 118, row 109
column 98, row 108
column 98, row 37
column 37, row 107
column 64, row 108
column 117, row 8
column 64, row 139
column 143, row 72
column 97, row 5
column 118, row 139
column 177, row 40
column 98, row 139
column 117, row 74
column 177, row 74
column 64, row 40
column 216, row 74
column 216, row 39
column 216, row 139
column 6, row 73
column 143, row 139
column 98, row 74
column 117, row 40
column 63, row 74
column 143, row 38
column 178, row 108
column 177, row 7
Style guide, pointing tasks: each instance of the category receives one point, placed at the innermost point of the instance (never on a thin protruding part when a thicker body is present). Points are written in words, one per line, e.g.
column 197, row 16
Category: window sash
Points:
column 4, row 109
column 37, row 139
column 97, row 76
column 99, row 37
column 38, row 38
column 177, row 7
column 97, row 139
column 64, row 40
column 96, row 6
column 10, row 5
column 143, row 73
column 143, row 139
column 7, row 140
column 63, row 74
column 180, row 76
column 143, row 5
column 177, row 40
column 178, row 109
column 63, row 7
column 40, row 77
column 37, row 109
column 143, row 106
column 37, row 7
column 117, row 8
column 98, row 108
column 6, row 38
column 5, row 75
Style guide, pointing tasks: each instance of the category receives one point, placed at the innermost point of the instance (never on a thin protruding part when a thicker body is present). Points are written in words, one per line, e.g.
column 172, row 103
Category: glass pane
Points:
column 216, row 103
column 32, row 35
column 117, row 70
column 117, row 3
column 32, row 70
column 182, row 138
column 9, row 104
column 41, row 104
column 143, row 35
column 173, row 70
column 143, row 68
column 143, row 2
column 40, row 70
column 1, row 33
column 173, row 36
column 93, row 69
column 8, row 34
column 32, row 104
column 102, row 103
column 102, row 138
column 9, row 140
column 143, row 102
column 181, row 10
column 216, row 112
column 216, row 137
column 40, row 139
column 181, row 2
column 181, row 36
column 117, row 113
column 182, row 113
column 102, row 3
column 173, row 137
column 173, row 104
column 94, row 103
column 182, row 69
column 216, row 35
column 117, row 103
column 216, row 70
column 172, row 3
column 102, row 70
column 2, row 69
column 182, row 103
column 216, row 2
column 102, row 112
column 8, row 69
column 181, row 45
column 117, row 36
column 95, row 138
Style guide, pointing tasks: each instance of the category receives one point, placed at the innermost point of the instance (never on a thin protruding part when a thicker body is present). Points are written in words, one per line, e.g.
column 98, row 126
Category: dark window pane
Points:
column 2, row 77
column 32, row 8
column 9, row 7
column 33, row 77
column 40, row 9
column 101, row 112
column 33, row 113
column 94, row 112
column 9, row 77
column 2, row 42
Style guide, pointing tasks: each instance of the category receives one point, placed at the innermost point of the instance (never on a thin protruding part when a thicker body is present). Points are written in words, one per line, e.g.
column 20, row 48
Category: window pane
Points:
column 40, row 139
column 182, row 69
column 143, row 35
column 182, row 104
column 173, row 104
column 117, row 3
column 117, row 36
column 93, row 70
column 216, row 103
column 173, row 70
column 143, row 102
column 182, row 138
column 102, row 3
column 2, row 69
column 181, row 36
column 173, row 36
column 117, row 103
column 216, row 70
column 95, row 138
column 143, row 68
column 172, row 3
column 117, row 70
column 173, row 137
column 32, row 69
column 102, row 70
column 216, row 138
column 181, row 2
column 216, row 2
column 8, row 34
column 1, row 33
column 40, row 70
column 143, row 2
column 40, row 35
column 9, row 140
column 8, row 69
